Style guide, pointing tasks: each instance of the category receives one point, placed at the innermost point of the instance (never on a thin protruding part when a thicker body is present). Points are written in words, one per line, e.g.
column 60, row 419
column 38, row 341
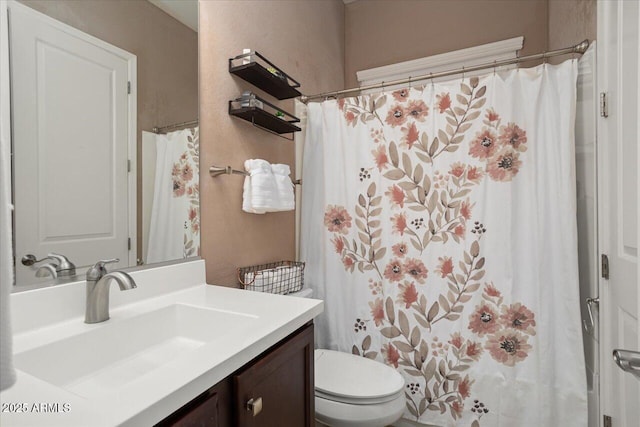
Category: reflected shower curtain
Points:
column 439, row 226
column 174, row 232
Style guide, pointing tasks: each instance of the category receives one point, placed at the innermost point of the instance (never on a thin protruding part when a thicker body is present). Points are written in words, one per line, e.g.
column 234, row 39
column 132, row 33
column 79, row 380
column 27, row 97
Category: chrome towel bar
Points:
column 216, row 171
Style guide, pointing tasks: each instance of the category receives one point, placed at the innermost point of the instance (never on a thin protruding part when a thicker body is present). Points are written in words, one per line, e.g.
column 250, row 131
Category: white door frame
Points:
column 131, row 60
column 610, row 132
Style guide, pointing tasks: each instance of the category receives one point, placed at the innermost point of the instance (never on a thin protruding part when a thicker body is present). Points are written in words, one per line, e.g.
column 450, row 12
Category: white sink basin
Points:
column 103, row 359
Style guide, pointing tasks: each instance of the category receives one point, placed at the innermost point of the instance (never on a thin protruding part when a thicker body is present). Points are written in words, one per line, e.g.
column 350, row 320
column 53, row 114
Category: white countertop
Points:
column 45, row 316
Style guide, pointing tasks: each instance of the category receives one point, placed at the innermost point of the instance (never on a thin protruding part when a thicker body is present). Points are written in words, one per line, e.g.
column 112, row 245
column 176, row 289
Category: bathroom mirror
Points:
column 91, row 80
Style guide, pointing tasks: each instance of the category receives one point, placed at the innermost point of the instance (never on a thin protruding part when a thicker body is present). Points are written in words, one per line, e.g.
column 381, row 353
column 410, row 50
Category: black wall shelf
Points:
column 264, row 115
column 276, row 82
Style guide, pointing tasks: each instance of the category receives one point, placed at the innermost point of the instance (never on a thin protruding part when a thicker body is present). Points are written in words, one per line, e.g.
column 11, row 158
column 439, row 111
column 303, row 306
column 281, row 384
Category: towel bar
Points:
column 215, row 171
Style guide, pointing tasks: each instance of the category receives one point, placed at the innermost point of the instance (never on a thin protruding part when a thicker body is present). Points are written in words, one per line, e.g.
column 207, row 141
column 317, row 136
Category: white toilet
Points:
column 353, row 391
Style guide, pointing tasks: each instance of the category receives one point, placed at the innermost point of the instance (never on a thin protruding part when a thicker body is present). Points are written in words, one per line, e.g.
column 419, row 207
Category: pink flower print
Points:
column 456, row 408
column 417, row 109
column 187, row 173
column 377, row 311
column 195, row 227
column 338, row 243
column 508, row 346
column 474, row 350
column 416, row 269
column 519, row 317
column 176, row 170
column 491, row 115
column 193, row 214
column 484, row 145
column 408, row 294
column 484, row 320
column 464, row 387
column 457, row 169
column 349, row 263
column 456, row 340
column 399, row 249
column 341, row 104
column 394, row 271
column 179, row 187
column 445, row 267
column 474, row 174
column 391, row 355
column 399, row 222
column 460, row 230
column 491, row 290
column 410, row 135
column 337, row 219
column 504, row 165
column 350, row 117
column 380, row 156
column 401, row 95
column 443, row 101
column 512, row 135
column 465, row 209
column 396, row 194
column 396, row 116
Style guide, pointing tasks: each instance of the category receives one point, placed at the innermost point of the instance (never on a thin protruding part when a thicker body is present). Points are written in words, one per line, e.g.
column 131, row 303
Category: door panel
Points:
column 70, row 143
column 618, row 75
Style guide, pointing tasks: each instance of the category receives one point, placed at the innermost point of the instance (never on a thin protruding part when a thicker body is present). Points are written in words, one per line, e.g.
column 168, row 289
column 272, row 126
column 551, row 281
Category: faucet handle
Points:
column 98, row 270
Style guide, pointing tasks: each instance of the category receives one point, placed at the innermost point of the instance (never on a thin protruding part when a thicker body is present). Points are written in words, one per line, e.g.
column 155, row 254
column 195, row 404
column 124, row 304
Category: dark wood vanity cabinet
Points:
column 273, row 390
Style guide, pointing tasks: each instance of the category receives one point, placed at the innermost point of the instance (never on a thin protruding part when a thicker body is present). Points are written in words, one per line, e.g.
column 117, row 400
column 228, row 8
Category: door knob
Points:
column 628, row 361
column 255, row 406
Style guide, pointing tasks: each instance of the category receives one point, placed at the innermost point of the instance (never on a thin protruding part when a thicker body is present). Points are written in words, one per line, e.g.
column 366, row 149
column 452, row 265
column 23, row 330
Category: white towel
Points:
column 7, row 372
column 286, row 198
column 260, row 190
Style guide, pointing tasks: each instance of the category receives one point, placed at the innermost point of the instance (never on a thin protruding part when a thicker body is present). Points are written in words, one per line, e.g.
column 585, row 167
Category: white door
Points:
column 619, row 184
column 71, row 133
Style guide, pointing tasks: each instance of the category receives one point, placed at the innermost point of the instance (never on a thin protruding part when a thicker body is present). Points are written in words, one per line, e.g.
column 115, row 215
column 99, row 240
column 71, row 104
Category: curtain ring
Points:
column 463, row 73
column 409, row 82
column 431, row 78
column 384, row 92
column 494, row 67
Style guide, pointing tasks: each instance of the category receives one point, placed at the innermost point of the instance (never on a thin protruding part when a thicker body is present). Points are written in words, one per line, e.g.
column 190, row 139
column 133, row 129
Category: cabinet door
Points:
column 210, row 409
column 281, row 382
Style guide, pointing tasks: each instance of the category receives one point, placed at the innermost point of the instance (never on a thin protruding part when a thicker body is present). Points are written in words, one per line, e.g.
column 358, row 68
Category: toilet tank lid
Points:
column 346, row 375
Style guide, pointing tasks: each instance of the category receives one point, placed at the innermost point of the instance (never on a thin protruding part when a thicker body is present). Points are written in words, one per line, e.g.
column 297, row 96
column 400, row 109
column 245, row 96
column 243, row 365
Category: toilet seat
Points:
column 345, row 378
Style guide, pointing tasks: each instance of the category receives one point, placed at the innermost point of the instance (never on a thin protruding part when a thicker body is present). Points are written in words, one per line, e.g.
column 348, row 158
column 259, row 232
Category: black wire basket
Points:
column 282, row 277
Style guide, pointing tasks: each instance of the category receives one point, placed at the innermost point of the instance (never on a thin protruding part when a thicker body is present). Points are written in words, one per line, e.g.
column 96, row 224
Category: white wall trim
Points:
column 477, row 55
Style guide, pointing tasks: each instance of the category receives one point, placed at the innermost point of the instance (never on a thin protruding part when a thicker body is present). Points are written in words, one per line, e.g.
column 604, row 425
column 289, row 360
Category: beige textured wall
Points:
column 306, row 39
column 382, row 32
column 167, row 57
column 570, row 22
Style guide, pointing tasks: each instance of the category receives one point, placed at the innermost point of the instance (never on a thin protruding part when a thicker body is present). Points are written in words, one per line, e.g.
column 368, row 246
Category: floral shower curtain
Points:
column 439, row 226
column 174, row 232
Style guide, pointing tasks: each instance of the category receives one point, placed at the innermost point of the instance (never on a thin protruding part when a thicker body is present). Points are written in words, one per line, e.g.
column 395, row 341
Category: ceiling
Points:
column 185, row 11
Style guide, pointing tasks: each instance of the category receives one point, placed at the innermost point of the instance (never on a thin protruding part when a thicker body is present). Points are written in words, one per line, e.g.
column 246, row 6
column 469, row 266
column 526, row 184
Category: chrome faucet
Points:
column 98, row 281
column 63, row 267
column 48, row 269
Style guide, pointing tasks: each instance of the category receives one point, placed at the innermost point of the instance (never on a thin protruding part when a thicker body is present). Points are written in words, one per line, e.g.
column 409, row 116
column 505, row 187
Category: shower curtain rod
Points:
column 579, row 48
column 174, row 126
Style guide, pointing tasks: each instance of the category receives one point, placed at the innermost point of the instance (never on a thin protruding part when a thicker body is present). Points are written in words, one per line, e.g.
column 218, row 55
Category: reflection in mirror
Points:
column 90, row 82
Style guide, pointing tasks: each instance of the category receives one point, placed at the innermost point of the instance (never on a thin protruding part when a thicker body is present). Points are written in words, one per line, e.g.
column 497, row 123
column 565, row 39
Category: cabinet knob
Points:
column 255, row 406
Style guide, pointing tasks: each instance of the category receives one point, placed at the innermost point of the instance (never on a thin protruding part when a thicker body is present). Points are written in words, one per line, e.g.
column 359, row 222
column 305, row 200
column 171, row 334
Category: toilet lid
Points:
column 354, row 378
